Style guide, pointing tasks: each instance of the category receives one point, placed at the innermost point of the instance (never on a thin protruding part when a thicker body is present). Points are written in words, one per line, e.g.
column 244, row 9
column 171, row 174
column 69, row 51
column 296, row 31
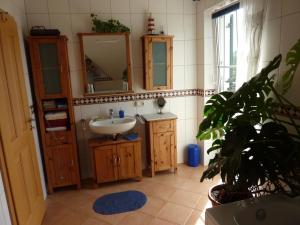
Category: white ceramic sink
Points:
column 112, row 126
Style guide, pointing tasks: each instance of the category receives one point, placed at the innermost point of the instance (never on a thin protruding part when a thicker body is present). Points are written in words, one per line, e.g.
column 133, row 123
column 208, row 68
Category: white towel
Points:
column 56, row 116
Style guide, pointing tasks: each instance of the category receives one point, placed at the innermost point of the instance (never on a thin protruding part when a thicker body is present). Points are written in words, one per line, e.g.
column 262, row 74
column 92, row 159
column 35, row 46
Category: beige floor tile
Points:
column 153, row 206
column 162, row 191
column 111, row 219
column 185, row 198
column 92, row 221
column 195, row 218
column 158, row 221
column 203, row 203
column 171, row 198
column 136, row 218
column 175, row 213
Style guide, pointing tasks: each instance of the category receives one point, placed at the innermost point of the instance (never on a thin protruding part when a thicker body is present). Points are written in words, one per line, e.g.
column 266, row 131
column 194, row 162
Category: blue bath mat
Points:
column 119, row 202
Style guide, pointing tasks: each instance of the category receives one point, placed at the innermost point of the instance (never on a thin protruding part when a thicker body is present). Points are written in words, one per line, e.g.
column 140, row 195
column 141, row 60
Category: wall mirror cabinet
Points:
column 106, row 62
column 158, row 62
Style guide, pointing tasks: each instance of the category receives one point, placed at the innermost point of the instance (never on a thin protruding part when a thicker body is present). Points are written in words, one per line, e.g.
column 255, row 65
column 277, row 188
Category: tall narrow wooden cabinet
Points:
column 158, row 62
column 52, row 87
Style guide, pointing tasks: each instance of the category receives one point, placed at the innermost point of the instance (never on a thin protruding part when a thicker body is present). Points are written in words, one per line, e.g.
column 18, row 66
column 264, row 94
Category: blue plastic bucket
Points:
column 193, row 155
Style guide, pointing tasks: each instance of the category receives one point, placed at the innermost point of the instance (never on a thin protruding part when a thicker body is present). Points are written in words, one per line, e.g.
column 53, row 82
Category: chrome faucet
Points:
column 111, row 113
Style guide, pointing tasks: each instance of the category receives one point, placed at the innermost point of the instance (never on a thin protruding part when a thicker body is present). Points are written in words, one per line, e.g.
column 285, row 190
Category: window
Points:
column 225, row 26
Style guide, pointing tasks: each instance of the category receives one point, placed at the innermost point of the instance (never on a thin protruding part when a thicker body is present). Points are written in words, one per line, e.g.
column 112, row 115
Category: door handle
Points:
column 119, row 160
column 115, row 160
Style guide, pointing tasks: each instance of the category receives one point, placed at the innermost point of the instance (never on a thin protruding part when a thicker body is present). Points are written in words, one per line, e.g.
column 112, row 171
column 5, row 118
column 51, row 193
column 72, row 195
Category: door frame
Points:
column 7, row 185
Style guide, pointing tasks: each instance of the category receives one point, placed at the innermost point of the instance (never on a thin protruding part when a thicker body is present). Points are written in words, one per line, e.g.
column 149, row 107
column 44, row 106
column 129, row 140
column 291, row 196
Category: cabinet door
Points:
column 163, row 151
column 129, row 160
column 106, row 163
column 50, row 68
column 61, row 163
column 160, row 63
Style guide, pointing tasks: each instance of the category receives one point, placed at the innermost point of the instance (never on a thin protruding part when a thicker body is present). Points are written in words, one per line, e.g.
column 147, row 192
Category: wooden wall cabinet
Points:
column 52, row 87
column 115, row 160
column 161, row 146
column 158, row 62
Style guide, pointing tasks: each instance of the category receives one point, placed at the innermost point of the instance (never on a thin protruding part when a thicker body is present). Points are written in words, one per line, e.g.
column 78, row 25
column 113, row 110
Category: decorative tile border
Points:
column 102, row 99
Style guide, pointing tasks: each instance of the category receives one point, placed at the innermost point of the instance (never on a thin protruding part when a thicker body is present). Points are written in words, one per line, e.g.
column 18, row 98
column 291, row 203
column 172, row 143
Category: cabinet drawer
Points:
column 58, row 138
column 163, row 126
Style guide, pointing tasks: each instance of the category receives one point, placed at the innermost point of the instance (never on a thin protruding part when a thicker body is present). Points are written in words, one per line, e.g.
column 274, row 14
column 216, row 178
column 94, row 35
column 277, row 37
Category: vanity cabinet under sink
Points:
column 115, row 160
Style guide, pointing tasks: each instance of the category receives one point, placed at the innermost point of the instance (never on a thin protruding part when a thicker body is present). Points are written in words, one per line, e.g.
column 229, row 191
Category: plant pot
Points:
column 219, row 195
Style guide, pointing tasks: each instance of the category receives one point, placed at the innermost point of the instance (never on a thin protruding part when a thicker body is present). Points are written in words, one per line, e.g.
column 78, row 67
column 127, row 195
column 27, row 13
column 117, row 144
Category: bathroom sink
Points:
column 112, row 126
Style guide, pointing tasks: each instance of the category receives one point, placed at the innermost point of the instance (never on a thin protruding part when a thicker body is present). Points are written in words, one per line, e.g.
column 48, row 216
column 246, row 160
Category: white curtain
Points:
column 250, row 24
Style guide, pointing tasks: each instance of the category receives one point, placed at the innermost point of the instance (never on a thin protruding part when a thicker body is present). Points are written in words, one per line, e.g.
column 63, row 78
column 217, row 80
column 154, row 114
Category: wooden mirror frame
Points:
column 128, row 56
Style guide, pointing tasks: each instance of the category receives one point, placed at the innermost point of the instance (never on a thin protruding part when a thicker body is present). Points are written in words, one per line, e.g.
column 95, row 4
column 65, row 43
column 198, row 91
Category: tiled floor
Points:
column 172, row 199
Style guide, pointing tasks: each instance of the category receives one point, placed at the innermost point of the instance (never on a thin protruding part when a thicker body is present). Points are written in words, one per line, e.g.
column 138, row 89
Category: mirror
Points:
column 106, row 62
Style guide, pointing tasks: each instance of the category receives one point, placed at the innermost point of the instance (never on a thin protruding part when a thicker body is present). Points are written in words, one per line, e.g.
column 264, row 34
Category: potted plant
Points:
column 256, row 151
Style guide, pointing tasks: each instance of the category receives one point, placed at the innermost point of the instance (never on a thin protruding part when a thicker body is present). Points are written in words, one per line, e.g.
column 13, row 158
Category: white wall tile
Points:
column 190, row 7
column 120, row 6
column 175, row 26
column 140, row 6
column 191, row 107
column 76, row 82
column 38, row 20
column 190, row 53
column 200, row 51
column 137, row 57
column 139, row 25
column 80, row 23
column 178, row 53
column 180, row 130
column 90, row 111
column 190, row 77
column 290, row 6
column 100, row 6
column 128, row 108
column 74, row 56
column 138, row 79
column 178, row 77
column 209, row 79
column 124, row 18
column 63, row 23
column 274, row 9
column 160, row 21
column 77, row 113
column 191, row 129
column 177, row 106
column 147, row 108
column 270, row 39
column 104, row 109
column 36, row 6
column 79, row 6
column 208, row 51
column 175, row 6
column 189, row 27
column 200, row 76
column 290, row 27
column 157, row 6
column 181, row 152
column 58, row 6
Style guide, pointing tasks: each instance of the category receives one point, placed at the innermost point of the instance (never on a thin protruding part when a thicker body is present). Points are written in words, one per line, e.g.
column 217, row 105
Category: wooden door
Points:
column 163, row 151
column 106, row 163
column 126, row 160
column 17, row 138
column 61, row 163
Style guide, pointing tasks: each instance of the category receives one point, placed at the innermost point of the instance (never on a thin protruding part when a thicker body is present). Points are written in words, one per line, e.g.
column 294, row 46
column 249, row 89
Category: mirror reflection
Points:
column 106, row 62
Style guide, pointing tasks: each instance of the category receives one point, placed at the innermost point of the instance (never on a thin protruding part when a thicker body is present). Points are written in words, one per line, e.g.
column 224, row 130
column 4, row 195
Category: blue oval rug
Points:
column 119, row 202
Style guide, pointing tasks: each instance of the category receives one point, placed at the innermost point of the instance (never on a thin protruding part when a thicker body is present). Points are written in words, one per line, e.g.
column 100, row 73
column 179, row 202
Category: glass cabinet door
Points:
column 50, row 68
column 159, row 63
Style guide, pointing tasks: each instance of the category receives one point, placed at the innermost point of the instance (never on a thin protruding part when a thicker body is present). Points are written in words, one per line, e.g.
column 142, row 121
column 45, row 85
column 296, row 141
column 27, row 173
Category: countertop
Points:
column 157, row 116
